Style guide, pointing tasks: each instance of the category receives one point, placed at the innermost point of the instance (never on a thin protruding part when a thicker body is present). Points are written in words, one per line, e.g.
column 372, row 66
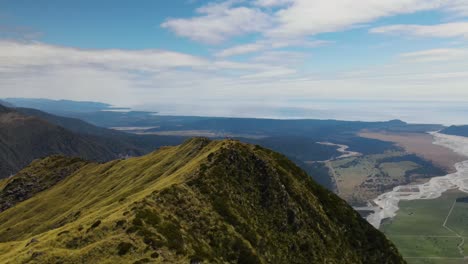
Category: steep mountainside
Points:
column 200, row 202
column 456, row 131
column 24, row 138
column 144, row 143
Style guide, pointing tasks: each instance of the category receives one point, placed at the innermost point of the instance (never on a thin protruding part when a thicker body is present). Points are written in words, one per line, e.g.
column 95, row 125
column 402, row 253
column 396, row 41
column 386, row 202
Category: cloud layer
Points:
column 161, row 77
column 219, row 21
column 262, row 54
column 447, row 30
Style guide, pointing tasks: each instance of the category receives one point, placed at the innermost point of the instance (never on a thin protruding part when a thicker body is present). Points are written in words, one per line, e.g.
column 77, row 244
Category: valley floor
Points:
column 431, row 231
column 422, row 145
column 361, row 179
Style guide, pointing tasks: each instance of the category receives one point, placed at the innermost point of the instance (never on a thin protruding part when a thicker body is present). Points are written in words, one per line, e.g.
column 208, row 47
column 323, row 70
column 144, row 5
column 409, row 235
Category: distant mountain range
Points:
column 57, row 106
column 6, row 104
column 456, row 131
column 27, row 134
column 295, row 138
column 199, row 202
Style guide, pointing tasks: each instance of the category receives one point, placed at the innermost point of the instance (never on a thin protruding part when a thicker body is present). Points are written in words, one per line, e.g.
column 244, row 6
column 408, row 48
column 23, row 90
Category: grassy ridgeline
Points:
column 211, row 201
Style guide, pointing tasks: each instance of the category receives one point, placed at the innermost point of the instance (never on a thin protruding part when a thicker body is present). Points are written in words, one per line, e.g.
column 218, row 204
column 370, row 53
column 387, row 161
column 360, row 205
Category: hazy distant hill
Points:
column 297, row 139
column 456, row 131
column 24, row 138
column 94, row 113
column 200, row 202
column 27, row 134
column 6, row 104
column 58, row 106
column 145, row 143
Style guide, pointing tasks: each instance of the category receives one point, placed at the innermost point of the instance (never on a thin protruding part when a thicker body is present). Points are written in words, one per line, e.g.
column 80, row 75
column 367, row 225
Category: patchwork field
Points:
column 193, row 133
column 431, row 231
column 421, row 145
column 360, row 179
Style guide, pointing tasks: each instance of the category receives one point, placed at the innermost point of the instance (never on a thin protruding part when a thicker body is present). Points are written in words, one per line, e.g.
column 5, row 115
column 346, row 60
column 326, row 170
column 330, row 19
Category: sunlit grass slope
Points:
column 203, row 201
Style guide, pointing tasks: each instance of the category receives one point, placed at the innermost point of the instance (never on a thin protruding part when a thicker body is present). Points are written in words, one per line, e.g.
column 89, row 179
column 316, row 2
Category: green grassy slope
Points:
column 209, row 201
column 39, row 176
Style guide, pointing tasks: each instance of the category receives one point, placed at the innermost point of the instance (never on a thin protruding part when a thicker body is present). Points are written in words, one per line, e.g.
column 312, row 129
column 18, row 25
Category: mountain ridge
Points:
column 456, row 131
column 145, row 143
column 28, row 134
column 202, row 201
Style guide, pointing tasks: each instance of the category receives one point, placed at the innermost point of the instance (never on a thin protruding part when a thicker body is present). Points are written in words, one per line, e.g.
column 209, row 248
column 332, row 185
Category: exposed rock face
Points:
column 39, row 176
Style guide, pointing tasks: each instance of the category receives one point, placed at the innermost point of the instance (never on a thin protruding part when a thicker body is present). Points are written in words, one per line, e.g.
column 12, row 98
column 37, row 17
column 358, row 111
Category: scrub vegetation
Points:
column 200, row 202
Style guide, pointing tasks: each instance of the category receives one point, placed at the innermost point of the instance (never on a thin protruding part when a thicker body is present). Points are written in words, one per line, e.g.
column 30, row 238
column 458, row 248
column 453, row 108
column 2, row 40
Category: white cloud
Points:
column 273, row 3
column 459, row 8
column 275, row 73
column 185, row 84
column 436, row 55
column 285, row 42
column 293, row 59
column 240, row 49
column 447, row 30
column 276, row 26
column 306, row 17
column 17, row 54
column 70, row 82
column 270, row 44
column 273, row 76
column 31, row 55
column 219, row 21
column 116, row 76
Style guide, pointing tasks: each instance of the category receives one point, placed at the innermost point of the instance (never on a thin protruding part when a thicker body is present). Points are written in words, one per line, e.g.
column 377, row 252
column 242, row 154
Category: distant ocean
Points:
column 446, row 113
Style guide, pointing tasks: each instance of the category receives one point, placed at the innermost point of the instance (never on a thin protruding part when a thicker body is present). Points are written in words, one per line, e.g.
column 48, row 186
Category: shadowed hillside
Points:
column 456, row 131
column 6, row 104
column 28, row 135
column 200, row 202
column 143, row 143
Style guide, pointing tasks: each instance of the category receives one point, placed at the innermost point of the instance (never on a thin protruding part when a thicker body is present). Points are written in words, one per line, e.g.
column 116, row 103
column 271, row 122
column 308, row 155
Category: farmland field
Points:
column 431, row 231
column 421, row 145
column 361, row 179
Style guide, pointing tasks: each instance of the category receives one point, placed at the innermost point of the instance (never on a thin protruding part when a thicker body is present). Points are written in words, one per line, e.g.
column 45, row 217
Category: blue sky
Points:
column 234, row 57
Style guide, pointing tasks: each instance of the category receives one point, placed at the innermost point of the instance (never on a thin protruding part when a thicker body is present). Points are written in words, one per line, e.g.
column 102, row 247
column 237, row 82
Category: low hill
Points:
column 25, row 138
column 456, row 131
column 6, row 104
column 57, row 106
column 143, row 143
column 28, row 135
column 200, row 202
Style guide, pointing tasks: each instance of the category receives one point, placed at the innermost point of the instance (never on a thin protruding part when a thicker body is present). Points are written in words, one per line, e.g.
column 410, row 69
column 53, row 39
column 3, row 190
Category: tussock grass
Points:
column 208, row 201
